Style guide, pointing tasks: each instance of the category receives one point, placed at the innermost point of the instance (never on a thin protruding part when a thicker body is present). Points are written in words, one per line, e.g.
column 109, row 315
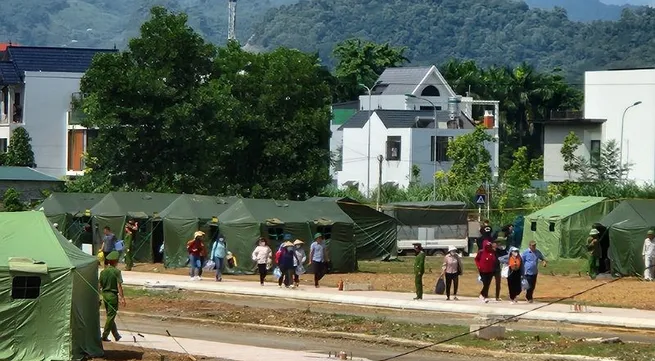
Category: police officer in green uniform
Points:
column 130, row 232
column 419, row 270
column 111, row 288
column 593, row 246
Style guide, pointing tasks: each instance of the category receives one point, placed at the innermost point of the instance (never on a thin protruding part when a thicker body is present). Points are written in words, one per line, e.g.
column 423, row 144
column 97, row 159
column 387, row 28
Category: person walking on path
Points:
column 419, row 270
column 515, row 265
column 262, row 256
column 452, row 268
column 499, row 248
column 318, row 258
column 286, row 264
column 217, row 254
column 131, row 227
column 649, row 255
column 299, row 260
column 110, row 284
column 486, row 260
column 593, row 246
column 196, row 249
column 531, row 258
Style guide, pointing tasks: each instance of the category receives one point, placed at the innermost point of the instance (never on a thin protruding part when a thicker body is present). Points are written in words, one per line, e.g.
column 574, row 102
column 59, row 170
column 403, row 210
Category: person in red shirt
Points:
column 196, row 249
column 485, row 260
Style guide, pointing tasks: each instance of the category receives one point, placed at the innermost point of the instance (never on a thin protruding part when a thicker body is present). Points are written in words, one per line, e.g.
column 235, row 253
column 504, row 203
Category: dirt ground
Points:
column 555, row 282
column 121, row 352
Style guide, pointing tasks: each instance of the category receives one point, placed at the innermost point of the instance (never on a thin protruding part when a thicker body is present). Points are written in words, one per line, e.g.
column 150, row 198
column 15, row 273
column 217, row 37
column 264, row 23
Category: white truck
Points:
column 435, row 225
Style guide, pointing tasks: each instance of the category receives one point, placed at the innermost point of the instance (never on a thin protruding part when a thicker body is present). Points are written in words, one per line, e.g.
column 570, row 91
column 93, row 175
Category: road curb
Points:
column 537, row 315
column 454, row 349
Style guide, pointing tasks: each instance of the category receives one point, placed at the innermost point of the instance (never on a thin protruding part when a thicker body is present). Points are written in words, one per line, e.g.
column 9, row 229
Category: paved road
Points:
column 275, row 340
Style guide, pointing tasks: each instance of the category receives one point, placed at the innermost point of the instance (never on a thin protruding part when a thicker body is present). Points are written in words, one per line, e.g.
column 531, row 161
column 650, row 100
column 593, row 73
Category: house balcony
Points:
column 76, row 117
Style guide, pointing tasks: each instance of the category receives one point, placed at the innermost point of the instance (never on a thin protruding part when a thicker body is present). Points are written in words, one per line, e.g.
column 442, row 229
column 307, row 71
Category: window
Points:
column 551, row 227
column 79, row 141
column 3, row 145
column 25, row 287
column 326, row 231
column 441, row 152
column 430, row 91
column 428, row 107
column 533, row 226
column 594, row 151
column 276, row 234
column 393, row 148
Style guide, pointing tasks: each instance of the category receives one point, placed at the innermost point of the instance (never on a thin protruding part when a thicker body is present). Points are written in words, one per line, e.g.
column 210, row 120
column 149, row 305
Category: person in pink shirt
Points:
column 452, row 268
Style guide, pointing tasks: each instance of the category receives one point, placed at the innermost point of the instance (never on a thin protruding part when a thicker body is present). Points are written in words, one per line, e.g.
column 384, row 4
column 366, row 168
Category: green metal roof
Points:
column 566, row 207
column 25, row 174
column 340, row 116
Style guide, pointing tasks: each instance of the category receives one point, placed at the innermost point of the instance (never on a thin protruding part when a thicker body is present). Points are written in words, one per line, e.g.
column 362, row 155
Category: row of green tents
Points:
column 354, row 231
column 561, row 230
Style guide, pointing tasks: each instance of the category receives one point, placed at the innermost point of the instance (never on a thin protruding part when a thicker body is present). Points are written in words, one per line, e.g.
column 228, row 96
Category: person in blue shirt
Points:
column 531, row 258
column 219, row 250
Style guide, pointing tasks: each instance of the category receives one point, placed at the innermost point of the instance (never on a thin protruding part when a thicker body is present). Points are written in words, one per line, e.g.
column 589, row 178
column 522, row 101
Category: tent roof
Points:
column 566, row 207
column 325, row 212
column 29, row 235
column 133, row 204
column 426, row 204
column 69, row 203
column 265, row 210
column 332, row 199
column 634, row 213
column 350, row 201
column 192, row 206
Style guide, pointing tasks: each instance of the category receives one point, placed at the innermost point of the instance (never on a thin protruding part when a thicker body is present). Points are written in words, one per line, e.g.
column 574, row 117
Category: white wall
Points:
column 382, row 102
column 607, row 95
column 554, row 136
column 46, row 103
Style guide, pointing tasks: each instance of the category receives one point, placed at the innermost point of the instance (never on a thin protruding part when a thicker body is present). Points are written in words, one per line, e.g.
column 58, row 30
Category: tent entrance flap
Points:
column 157, row 241
column 27, row 265
column 323, row 222
column 274, row 222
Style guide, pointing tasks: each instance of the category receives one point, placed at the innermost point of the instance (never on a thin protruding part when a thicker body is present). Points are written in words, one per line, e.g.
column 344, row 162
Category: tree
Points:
column 604, row 167
column 361, row 62
column 522, row 170
column 569, row 147
column 11, row 201
column 20, row 152
column 470, row 158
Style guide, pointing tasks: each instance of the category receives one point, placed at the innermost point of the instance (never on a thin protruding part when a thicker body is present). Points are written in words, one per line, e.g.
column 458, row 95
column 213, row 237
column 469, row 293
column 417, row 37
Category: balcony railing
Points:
column 76, row 117
column 566, row 114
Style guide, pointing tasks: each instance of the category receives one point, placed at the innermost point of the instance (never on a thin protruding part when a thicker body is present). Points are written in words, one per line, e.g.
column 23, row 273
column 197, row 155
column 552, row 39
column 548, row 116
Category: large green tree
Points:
column 19, row 153
column 176, row 114
column 470, row 158
column 361, row 62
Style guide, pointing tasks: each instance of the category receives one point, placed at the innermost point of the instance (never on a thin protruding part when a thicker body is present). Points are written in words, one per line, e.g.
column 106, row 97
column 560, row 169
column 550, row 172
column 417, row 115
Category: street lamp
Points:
column 368, row 153
column 622, row 121
column 434, row 153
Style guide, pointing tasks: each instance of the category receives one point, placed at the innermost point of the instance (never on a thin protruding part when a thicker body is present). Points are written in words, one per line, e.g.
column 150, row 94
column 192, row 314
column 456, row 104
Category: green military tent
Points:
column 562, row 228
column 186, row 215
column 248, row 219
column 71, row 212
column 628, row 224
column 48, row 297
column 116, row 208
column 374, row 232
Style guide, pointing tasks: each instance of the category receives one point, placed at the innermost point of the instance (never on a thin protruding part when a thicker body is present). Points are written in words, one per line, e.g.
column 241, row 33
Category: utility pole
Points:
column 380, row 159
column 368, row 152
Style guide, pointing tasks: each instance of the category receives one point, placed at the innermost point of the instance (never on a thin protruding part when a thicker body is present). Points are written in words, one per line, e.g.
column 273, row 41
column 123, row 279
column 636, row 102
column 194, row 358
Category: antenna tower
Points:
column 232, row 9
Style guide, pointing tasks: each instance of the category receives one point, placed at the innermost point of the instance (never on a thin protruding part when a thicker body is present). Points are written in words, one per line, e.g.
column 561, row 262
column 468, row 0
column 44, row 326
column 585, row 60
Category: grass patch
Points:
column 138, row 292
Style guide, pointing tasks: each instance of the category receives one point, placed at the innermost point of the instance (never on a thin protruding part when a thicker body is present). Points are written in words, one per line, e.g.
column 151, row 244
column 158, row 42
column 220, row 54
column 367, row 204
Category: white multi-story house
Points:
column 618, row 105
column 38, row 85
column 403, row 131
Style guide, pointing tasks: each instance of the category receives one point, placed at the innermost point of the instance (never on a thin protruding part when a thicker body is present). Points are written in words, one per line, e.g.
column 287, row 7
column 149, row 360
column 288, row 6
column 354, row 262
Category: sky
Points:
column 632, row 2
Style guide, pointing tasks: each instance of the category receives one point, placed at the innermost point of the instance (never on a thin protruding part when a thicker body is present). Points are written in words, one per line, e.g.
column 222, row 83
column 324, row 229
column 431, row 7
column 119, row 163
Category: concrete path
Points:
column 617, row 317
column 219, row 350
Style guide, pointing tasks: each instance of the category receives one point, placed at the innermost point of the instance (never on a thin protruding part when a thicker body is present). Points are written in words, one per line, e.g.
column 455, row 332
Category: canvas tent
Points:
column 627, row 225
column 116, row 208
column 374, row 232
column 69, row 211
column 186, row 215
column 562, row 228
column 48, row 298
column 248, row 219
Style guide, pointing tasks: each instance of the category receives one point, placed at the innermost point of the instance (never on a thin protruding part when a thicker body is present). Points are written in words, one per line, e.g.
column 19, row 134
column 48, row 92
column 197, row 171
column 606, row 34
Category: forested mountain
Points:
column 490, row 32
column 583, row 10
column 103, row 23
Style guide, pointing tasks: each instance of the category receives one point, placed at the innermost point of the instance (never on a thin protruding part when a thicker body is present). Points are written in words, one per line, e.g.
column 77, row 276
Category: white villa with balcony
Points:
column 38, row 85
column 404, row 131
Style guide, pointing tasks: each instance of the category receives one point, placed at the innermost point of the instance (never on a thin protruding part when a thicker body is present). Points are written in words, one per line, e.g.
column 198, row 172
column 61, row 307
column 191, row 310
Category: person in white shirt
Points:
column 298, row 261
column 262, row 256
column 649, row 255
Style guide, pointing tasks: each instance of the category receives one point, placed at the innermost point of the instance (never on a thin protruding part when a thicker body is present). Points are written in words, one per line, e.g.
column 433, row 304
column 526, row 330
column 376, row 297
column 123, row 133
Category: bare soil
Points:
column 121, row 352
column 554, row 282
